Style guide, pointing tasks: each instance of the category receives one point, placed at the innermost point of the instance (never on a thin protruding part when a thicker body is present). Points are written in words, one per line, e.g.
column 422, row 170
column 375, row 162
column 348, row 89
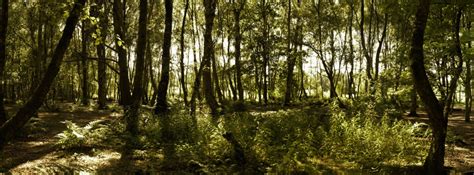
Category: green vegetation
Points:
column 236, row 86
column 290, row 140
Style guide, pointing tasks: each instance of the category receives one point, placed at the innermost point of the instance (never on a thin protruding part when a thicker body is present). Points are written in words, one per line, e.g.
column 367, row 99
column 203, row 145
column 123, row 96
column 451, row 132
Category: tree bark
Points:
column 350, row 85
column 101, row 63
column 265, row 52
column 434, row 163
column 290, row 60
column 467, row 85
column 448, row 102
column 119, row 29
column 215, row 76
column 84, row 63
column 162, row 104
column 364, row 47
column 181, row 61
column 238, row 40
column 209, row 8
column 132, row 113
column 414, row 104
column 9, row 128
column 3, row 56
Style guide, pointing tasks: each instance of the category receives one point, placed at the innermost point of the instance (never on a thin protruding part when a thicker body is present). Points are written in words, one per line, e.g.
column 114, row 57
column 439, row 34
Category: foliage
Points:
column 373, row 141
column 95, row 134
column 290, row 140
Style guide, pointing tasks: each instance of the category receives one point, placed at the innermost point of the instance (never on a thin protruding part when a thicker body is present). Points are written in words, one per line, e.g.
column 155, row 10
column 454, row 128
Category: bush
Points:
column 372, row 141
column 94, row 134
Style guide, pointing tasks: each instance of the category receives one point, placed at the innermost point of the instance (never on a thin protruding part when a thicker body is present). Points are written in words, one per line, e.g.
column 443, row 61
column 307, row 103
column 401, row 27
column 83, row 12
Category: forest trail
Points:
column 460, row 153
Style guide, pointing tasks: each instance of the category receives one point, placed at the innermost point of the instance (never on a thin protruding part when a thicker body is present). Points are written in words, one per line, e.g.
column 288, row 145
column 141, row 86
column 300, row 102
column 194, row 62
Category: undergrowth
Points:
column 282, row 141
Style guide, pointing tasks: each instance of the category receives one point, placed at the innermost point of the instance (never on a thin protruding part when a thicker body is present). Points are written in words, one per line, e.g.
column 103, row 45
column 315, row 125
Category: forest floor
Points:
column 37, row 151
column 460, row 151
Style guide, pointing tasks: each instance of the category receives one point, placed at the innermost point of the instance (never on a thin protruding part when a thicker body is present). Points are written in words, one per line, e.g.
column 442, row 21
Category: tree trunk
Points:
column 162, row 104
column 9, row 128
column 351, row 56
column 448, row 102
column 467, row 85
column 132, row 113
column 434, row 163
column 364, row 47
column 220, row 97
column 379, row 49
column 265, row 52
column 119, row 29
column 209, row 8
column 3, row 55
column 238, row 40
column 181, row 61
column 84, row 65
column 414, row 104
column 290, row 60
column 101, row 64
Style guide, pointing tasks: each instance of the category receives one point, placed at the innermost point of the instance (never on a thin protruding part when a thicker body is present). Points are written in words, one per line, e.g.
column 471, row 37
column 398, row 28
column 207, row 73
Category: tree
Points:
column 290, row 60
column 100, row 11
column 181, row 58
column 266, row 51
column 209, row 10
column 119, row 29
column 467, row 83
column 238, row 7
column 8, row 129
column 434, row 163
column 3, row 55
column 162, row 104
column 84, row 63
column 132, row 113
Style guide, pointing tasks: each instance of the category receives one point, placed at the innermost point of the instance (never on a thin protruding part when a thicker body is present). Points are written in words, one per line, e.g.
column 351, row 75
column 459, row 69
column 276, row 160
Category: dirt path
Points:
column 459, row 155
column 40, row 139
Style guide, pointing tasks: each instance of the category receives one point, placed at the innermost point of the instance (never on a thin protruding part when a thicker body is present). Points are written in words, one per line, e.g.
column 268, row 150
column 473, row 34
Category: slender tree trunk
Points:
column 290, row 60
column 209, row 8
column 119, row 29
column 3, row 56
column 217, row 87
column 8, row 129
column 238, row 39
column 414, row 104
column 449, row 101
column 265, row 52
column 467, row 85
column 84, row 64
column 363, row 43
column 379, row 49
column 434, row 163
column 351, row 56
column 101, row 64
column 181, row 61
column 132, row 113
column 162, row 104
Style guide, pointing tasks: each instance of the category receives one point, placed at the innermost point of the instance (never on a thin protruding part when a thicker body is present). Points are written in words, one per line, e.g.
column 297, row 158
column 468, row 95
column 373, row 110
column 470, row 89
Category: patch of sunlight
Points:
column 333, row 165
column 94, row 162
column 59, row 162
column 32, row 144
column 116, row 114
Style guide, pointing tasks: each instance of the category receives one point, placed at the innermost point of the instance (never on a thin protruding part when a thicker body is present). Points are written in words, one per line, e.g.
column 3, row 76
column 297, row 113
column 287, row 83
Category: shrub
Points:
column 372, row 141
column 94, row 134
